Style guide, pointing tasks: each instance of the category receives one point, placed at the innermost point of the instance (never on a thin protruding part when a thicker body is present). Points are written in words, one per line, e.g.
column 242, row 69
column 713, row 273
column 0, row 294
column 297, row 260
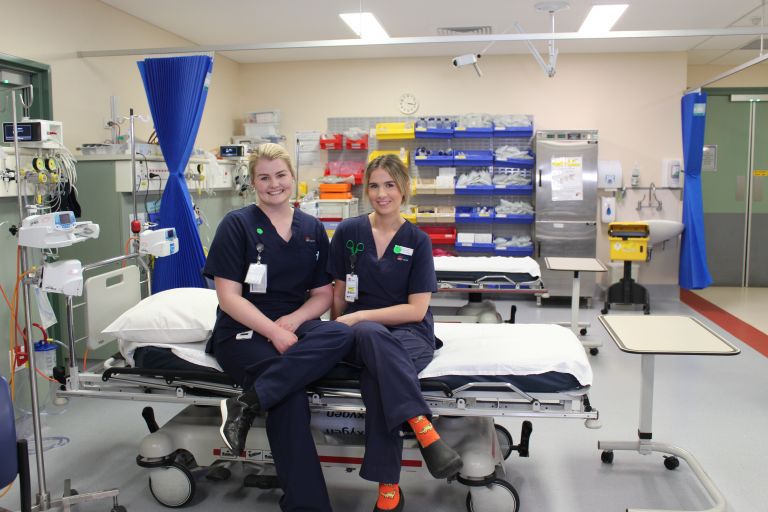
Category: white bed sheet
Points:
column 488, row 264
column 508, row 349
column 469, row 349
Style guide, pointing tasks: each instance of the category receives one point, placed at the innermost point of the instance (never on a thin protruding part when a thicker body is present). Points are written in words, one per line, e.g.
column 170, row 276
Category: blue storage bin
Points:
column 473, row 157
column 514, row 251
column 508, row 218
column 465, row 214
column 513, row 131
column 434, row 160
column 463, row 132
column 515, row 162
column 513, row 189
column 473, row 190
column 434, row 133
column 474, row 247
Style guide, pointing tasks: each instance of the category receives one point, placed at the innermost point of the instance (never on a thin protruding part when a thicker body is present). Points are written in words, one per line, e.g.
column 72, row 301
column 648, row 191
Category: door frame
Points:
column 42, row 107
column 730, row 91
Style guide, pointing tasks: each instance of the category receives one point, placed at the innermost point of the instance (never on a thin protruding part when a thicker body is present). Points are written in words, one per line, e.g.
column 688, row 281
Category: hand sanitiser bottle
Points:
column 607, row 209
column 635, row 180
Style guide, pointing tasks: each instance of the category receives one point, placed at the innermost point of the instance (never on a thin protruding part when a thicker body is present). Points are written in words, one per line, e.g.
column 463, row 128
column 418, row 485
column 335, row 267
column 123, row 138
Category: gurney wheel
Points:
column 119, row 508
column 583, row 331
column 671, row 462
column 506, row 443
column 607, row 457
column 172, row 486
column 489, row 498
column 594, row 351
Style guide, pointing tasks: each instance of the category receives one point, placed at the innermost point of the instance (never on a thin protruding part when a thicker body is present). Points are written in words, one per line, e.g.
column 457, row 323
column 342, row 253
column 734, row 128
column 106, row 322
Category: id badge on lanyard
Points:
column 351, row 289
column 256, row 278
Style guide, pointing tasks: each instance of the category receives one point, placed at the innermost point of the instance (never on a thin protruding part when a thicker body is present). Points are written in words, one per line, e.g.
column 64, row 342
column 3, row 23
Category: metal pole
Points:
column 133, row 168
column 74, row 374
column 43, row 496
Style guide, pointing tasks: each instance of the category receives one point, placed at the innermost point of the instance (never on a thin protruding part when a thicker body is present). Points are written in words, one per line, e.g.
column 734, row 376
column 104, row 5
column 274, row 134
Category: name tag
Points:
column 405, row 251
column 247, row 335
column 350, row 288
column 256, row 278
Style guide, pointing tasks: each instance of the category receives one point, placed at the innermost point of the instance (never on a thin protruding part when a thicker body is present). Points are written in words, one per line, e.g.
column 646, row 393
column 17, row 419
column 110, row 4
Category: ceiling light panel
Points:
column 365, row 25
column 601, row 18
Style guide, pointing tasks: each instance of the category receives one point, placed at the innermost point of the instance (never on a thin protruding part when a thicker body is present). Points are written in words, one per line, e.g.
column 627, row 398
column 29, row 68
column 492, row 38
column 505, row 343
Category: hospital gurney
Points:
column 483, row 371
column 547, row 375
column 480, row 275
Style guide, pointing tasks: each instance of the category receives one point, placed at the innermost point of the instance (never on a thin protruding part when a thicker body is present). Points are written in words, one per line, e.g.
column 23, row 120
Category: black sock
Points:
column 251, row 399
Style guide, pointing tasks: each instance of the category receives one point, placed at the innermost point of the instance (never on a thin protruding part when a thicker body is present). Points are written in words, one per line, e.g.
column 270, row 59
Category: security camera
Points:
column 469, row 58
column 463, row 60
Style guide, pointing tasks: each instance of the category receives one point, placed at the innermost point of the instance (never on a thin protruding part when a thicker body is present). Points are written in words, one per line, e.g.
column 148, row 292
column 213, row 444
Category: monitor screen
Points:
column 24, row 131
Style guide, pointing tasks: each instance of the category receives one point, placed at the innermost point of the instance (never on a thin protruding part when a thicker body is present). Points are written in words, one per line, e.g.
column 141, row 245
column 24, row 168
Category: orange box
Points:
column 335, row 187
column 335, row 195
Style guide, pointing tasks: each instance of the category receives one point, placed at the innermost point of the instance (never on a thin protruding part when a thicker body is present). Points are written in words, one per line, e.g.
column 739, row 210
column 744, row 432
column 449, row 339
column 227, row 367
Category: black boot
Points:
column 398, row 508
column 442, row 460
column 236, row 419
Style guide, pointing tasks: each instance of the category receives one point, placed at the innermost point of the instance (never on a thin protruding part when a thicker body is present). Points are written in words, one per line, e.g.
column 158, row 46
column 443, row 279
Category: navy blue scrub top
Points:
column 388, row 281
column 293, row 267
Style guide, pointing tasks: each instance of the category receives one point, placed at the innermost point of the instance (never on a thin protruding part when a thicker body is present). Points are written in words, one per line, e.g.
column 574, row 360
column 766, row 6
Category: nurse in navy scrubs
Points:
column 384, row 277
column 269, row 265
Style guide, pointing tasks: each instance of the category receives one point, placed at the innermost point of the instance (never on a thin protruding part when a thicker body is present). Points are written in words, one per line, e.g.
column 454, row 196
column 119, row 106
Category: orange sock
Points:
column 425, row 432
column 389, row 496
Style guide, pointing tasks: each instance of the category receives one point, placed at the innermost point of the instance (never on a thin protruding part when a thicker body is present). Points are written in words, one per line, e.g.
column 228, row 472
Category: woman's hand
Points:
column 289, row 322
column 283, row 339
column 351, row 319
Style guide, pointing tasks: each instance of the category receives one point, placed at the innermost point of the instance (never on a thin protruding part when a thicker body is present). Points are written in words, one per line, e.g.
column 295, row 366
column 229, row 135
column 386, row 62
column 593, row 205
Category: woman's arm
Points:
column 339, row 304
column 318, row 303
column 414, row 311
column 241, row 310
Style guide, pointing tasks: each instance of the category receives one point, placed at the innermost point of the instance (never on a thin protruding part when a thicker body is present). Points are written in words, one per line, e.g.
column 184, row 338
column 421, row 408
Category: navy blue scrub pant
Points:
column 391, row 358
column 280, row 382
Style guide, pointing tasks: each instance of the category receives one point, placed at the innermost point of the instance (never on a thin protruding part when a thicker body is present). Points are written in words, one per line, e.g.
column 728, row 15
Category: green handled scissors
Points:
column 354, row 249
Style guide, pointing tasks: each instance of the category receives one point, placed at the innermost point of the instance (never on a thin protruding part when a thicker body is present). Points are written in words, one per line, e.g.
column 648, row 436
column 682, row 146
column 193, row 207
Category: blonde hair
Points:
column 269, row 151
column 396, row 170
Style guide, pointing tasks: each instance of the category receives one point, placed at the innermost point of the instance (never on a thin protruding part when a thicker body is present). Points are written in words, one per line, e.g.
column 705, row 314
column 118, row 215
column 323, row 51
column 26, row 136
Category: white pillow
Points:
column 180, row 315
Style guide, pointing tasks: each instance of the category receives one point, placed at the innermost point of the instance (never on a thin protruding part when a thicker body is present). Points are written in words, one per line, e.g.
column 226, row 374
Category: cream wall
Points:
column 633, row 100
column 52, row 31
column 755, row 76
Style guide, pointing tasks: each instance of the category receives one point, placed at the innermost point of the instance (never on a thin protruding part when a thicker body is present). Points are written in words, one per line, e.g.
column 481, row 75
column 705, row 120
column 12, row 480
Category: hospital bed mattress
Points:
column 530, row 357
column 499, row 272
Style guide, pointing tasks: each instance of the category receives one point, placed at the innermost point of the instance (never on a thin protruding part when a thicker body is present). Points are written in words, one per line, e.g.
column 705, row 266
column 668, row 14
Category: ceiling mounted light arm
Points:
column 549, row 70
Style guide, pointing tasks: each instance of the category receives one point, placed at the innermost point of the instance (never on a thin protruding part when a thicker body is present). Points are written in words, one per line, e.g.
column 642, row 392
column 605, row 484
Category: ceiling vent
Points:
column 755, row 45
column 464, row 31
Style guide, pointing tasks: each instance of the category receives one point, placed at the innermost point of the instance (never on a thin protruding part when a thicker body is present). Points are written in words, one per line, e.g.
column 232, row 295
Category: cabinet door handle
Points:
column 538, row 249
column 539, row 169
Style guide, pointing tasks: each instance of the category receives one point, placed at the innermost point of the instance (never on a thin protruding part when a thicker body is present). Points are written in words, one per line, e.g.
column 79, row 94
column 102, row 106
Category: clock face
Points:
column 408, row 103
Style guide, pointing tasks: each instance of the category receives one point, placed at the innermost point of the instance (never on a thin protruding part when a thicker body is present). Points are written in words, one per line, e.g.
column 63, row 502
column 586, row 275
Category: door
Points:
column 733, row 187
column 566, row 179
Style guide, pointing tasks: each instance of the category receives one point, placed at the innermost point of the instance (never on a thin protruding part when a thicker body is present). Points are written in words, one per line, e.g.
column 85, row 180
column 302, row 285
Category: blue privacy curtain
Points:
column 176, row 90
column 694, row 273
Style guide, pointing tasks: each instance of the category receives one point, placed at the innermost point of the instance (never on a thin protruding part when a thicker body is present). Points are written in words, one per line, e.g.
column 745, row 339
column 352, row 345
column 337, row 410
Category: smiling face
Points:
column 273, row 181
column 383, row 193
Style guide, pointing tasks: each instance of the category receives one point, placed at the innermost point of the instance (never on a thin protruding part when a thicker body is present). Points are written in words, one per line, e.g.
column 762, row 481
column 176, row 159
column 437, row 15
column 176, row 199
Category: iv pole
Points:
column 43, row 496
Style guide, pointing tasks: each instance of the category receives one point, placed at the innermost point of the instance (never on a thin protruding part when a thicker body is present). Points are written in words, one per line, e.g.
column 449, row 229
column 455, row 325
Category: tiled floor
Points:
column 715, row 407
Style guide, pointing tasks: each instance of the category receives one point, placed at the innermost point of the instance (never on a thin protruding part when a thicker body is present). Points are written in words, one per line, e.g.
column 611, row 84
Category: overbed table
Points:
column 650, row 336
column 577, row 265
